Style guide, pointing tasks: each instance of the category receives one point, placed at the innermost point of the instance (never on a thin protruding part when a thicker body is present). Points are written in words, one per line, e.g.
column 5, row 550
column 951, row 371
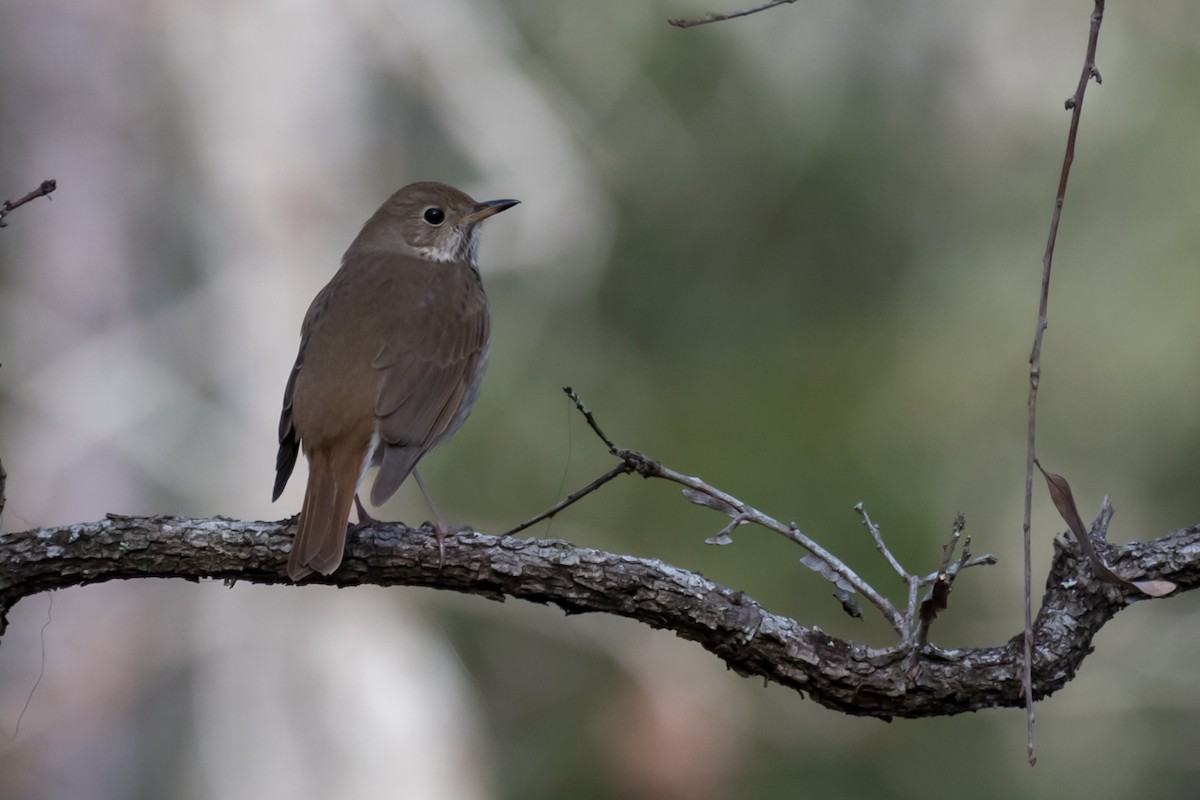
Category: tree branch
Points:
column 754, row 642
column 44, row 190
column 845, row 580
column 709, row 18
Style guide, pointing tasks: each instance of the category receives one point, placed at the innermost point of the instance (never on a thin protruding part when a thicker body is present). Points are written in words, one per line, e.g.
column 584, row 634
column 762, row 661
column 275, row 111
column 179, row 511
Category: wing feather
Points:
column 428, row 366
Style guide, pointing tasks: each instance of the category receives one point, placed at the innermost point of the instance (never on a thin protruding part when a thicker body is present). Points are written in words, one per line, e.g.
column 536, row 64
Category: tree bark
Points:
column 754, row 642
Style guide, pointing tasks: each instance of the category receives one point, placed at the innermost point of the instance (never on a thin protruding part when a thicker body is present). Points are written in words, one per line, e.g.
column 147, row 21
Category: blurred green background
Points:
column 796, row 254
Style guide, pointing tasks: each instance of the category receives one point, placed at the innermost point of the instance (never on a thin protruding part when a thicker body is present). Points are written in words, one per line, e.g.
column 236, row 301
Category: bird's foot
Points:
column 365, row 520
column 440, row 531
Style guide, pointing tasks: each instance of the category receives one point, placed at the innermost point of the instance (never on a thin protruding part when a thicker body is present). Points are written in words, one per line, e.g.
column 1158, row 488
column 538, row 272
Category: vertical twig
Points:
column 1074, row 104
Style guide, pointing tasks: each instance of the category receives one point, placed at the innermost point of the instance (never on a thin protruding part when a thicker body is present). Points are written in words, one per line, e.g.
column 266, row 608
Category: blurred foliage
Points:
column 809, row 321
column 818, row 287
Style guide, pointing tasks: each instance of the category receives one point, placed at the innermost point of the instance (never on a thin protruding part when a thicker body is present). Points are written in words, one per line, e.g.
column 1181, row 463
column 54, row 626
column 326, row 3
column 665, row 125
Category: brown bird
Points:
column 392, row 355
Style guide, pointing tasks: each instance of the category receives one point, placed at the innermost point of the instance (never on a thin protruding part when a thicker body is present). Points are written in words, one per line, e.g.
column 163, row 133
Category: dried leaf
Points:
column 841, row 590
column 1064, row 501
column 1155, row 588
column 722, row 536
column 708, row 501
column 936, row 600
column 850, row 605
column 1060, row 493
column 817, row 565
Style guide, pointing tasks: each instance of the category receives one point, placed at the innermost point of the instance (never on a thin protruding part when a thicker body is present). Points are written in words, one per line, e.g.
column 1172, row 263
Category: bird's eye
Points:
column 434, row 216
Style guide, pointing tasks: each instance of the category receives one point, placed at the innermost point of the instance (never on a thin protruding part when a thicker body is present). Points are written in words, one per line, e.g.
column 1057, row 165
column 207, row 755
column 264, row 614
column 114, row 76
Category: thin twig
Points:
column 44, row 190
column 691, row 23
column 571, row 499
column 591, row 420
column 987, row 559
column 722, row 536
column 1099, row 527
column 873, row 529
column 1075, row 105
column 949, row 547
column 621, row 469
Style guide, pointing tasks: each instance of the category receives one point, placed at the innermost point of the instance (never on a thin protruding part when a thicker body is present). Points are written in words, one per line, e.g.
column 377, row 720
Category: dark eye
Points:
column 434, row 216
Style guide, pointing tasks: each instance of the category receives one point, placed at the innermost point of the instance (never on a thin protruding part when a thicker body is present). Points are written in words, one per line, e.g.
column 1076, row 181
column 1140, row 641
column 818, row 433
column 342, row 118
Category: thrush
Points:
column 392, row 356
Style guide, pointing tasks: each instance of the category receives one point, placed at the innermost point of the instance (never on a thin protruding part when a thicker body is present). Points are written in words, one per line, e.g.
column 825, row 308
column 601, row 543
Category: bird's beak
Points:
column 486, row 209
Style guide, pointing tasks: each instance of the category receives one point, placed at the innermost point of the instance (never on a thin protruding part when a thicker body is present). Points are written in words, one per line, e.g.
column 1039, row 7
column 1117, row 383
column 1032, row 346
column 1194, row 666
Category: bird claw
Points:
column 365, row 520
column 440, row 531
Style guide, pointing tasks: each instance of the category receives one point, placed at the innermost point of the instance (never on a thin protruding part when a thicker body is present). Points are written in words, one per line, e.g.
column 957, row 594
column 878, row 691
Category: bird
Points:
column 392, row 355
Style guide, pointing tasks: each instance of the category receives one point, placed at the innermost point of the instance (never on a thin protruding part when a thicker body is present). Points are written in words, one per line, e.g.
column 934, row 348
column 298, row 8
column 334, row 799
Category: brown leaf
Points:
column 1157, row 588
column 1064, row 501
column 937, row 599
column 849, row 604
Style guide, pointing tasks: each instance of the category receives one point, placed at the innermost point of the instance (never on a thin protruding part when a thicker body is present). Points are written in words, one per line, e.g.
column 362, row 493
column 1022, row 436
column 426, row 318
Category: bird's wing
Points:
column 289, row 442
column 427, row 365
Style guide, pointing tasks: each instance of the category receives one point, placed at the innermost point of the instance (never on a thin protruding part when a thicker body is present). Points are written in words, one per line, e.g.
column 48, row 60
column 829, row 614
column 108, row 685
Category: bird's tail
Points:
column 321, row 532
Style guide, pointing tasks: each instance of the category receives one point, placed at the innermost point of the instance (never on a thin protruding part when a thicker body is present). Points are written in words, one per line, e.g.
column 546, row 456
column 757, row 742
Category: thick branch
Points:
column 752, row 641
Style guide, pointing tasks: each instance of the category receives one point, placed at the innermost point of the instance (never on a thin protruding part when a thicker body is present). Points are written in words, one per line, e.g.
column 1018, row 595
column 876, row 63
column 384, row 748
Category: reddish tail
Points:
column 321, row 532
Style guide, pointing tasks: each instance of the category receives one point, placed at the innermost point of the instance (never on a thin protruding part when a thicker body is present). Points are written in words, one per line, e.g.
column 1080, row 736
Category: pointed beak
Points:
column 486, row 209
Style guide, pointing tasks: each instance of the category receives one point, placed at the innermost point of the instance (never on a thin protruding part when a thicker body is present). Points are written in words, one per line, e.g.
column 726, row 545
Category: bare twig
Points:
column 833, row 569
column 649, row 468
column 873, row 529
column 44, row 190
column 1075, row 105
column 571, row 499
column 987, row 559
column 697, row 491
column 691, row 23
column 591, row 420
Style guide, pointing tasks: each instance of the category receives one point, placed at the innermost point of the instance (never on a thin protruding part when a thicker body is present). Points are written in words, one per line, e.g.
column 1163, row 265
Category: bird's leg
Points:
column 364, row 518
column 440, row 529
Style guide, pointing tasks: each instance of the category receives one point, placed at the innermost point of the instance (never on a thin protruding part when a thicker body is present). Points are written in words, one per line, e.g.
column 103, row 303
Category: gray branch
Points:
column 752, row 641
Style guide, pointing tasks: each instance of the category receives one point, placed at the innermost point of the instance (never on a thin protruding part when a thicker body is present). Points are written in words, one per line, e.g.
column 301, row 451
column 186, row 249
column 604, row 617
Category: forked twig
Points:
column 846, row 581
column 877, row 536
